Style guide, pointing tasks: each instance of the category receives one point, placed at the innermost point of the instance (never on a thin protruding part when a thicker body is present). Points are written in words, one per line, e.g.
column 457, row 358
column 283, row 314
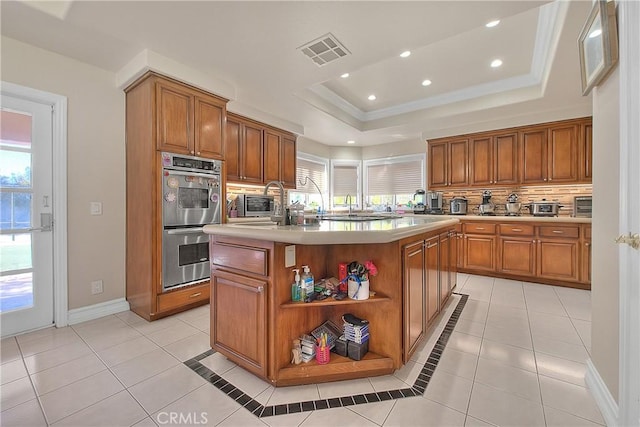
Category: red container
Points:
column 322, row 355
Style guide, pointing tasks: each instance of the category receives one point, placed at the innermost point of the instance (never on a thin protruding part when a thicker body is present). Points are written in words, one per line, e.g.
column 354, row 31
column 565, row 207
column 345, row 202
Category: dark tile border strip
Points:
column 261, row 411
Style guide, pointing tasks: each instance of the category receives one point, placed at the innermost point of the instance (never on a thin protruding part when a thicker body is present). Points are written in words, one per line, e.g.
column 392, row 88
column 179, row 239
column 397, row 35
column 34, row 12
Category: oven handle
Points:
column 197, row 230
column 199, row 174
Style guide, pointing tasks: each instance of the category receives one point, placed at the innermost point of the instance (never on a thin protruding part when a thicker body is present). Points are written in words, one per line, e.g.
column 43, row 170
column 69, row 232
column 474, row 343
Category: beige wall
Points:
column 95, row 162
column 606, row 204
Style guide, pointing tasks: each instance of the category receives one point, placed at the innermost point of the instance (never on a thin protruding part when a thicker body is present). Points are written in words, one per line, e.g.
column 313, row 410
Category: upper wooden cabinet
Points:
column 279, row 158
column 549, row 153
column 449, row 163
column 494, row 159
column 257, row 154
column 243, row 151
column 188, row 121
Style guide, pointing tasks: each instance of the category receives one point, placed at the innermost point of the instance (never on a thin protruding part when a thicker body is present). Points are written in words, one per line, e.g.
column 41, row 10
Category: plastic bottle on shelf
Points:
column 307, row 280
column 296, row 288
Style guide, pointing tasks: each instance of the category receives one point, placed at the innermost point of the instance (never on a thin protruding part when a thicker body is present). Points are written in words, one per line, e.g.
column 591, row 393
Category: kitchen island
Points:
column 254, row 321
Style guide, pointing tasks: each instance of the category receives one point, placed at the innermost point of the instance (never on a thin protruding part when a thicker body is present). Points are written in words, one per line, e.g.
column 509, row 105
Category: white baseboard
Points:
column 605, row 401
column 82, row 314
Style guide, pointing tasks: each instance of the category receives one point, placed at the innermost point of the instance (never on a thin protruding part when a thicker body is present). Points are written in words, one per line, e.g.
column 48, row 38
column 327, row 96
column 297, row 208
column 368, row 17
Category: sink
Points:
column 263, row 224
column 359, row 218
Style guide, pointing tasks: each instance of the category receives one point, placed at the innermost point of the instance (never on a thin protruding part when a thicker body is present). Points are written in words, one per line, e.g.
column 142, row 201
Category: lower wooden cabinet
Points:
column 558, row 254
column 479, row 252
column 239, row 318
column 446, row 242
column 414, row 296
column 432, row 277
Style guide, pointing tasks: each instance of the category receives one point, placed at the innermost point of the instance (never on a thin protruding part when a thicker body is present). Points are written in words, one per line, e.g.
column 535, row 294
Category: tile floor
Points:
column 516, row 357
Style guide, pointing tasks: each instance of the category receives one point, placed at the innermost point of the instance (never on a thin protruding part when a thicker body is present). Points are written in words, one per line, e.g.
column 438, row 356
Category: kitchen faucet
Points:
column 345, row 202
column 281, row 217
column 303, row 183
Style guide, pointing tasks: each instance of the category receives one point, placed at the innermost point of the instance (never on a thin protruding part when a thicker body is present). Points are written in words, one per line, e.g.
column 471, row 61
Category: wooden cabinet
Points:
column 447, row 263
column 585, row 273
column 449, row 164
column 479, row 246
column 557, row 152
column 557, row 254
column 188, row 121
column 586, row 151
column 493, row 159
column 244, row 150
column 162, row 115
column 415, row 297
column 239, row 318
column 432, row 277
column 279, row 158
column 257, row 154
column 516, row 249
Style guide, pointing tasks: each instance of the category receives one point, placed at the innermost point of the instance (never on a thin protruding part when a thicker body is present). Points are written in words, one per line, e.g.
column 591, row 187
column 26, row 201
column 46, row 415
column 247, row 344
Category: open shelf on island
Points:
column 330, row 301
column 338, row 368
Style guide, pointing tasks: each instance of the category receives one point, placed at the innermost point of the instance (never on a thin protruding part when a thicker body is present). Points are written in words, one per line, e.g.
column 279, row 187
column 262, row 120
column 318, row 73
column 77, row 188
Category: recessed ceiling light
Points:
column 372, row 98
column 426, row 82
column 492, row 24
column 345, row 75
column 595, row 33
column 351, row 141
column 496, row 63
column 405, row 54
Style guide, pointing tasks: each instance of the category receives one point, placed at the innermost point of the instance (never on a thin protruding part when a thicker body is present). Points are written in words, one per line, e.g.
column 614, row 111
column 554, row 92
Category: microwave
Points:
column 582, row 207
column 254, row 205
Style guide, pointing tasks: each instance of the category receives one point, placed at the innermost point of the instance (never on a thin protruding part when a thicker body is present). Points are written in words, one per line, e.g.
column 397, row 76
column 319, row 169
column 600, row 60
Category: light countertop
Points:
column 335, row 232
column 377, row 231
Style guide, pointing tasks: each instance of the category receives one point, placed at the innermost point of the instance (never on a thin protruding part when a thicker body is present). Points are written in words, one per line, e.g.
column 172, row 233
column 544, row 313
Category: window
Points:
column 315, row 168
column 345, row 181
column 393, row 181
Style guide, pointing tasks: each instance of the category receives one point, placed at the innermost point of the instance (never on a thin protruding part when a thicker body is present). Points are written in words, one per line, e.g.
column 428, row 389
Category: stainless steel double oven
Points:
column 191, row 199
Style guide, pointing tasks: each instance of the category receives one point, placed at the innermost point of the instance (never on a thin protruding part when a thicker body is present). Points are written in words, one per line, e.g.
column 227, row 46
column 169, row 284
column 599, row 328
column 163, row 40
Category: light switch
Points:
column 290, row 256
column 96, row 208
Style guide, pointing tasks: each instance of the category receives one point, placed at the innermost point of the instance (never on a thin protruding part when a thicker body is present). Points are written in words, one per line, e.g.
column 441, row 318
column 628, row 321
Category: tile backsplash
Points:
column 564, row 194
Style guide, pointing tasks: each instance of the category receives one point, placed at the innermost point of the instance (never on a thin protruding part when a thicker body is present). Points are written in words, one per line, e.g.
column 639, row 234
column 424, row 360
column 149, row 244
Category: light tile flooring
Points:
column 517, row 357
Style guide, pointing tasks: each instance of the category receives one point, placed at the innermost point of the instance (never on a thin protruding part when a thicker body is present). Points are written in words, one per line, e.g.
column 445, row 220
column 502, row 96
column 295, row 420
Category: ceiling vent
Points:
column 324, row 49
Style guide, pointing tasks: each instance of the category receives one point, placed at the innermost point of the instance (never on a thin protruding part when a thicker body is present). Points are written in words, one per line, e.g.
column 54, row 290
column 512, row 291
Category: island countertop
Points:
column 334, row 232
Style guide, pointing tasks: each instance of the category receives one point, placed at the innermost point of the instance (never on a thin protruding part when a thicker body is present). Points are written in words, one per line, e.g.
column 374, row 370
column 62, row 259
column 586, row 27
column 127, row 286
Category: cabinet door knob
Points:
column 260, row 289
column 198, row 153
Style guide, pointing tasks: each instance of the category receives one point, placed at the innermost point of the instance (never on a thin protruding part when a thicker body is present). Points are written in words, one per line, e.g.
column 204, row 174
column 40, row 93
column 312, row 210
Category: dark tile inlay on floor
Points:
column 418, row 388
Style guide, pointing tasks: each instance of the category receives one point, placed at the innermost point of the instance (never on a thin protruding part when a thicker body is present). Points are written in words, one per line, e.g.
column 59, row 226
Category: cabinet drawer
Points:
column 252, row 260
column 183, row 297
column 479, row 228
column 516, row 230
column 559, row 231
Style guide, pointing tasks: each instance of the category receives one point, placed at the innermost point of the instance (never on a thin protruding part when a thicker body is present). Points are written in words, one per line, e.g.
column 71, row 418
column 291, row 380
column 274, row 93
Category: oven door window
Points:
column 193, row 254
column 193, row 198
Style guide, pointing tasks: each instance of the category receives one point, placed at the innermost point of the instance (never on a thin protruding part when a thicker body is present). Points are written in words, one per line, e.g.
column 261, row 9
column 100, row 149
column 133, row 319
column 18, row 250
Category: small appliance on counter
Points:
column 513, row 206
column 419, row 207
column 582, row 207
column 458, row 206
column 249, row 205
column 487, row 207
column 544, row 208
column 434, row 203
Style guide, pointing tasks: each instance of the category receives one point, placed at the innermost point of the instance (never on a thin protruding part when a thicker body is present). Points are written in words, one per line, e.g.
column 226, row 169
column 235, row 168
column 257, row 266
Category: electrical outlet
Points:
column 96, row 208
column 96, row 287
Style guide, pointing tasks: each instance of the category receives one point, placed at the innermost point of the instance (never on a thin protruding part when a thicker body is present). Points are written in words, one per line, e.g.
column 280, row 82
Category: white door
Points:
column 26, row 207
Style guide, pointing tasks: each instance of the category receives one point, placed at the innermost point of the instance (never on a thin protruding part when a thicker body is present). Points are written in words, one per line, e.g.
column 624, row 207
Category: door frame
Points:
column 629, row 258
column 59, row 159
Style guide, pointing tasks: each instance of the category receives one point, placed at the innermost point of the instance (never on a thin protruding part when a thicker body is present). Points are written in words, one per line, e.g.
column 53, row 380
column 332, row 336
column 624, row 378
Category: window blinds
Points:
column 345, row 180
column 314, row 170
column 394, row 178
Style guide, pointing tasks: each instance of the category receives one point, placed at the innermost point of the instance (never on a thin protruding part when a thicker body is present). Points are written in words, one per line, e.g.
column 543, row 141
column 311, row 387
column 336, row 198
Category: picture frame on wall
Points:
column 598, row 45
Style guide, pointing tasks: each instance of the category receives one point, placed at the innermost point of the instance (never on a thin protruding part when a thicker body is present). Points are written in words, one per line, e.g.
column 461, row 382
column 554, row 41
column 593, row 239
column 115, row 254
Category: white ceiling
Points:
column 252, row 47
